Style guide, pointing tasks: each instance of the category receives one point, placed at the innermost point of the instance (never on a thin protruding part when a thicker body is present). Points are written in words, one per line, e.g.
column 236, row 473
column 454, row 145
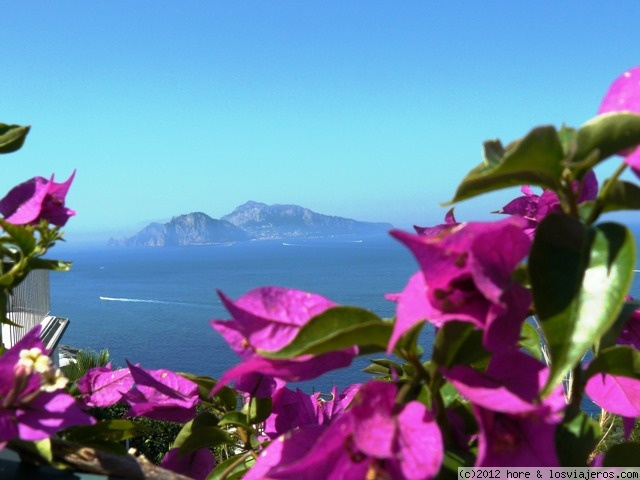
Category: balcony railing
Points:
column 29, row 305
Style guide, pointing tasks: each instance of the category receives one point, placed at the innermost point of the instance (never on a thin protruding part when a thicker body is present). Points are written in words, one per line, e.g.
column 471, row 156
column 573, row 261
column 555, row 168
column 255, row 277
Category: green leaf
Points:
column 384, row 366
column 579, row 278
column 530, row 340
column 622, row 196
column 232, row 468
column 23, row 236
column 226, row 397
column 607, row 135
column 235, row 418
column 258, row 409
column 47, row 264
column 335, row 329
column 106, row 430
column 12, row 137
column 567, row 137
column 535, row 159
column 409, row 341
column 7, row 279
column 458, row 343
column 623, row 455
column 575, row 440
column 35, row 451
column 620, row 360
column 201, row 432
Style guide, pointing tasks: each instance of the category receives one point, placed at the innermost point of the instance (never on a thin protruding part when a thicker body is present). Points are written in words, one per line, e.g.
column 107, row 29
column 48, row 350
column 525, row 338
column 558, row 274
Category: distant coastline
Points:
column 249, row 221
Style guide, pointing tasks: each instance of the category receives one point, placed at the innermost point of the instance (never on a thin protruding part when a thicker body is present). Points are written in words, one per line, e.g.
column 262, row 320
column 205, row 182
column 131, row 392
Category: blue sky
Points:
column 372, row 110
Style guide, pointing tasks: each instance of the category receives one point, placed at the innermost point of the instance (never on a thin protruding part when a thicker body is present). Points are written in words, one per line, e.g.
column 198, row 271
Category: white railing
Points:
column 27, row 306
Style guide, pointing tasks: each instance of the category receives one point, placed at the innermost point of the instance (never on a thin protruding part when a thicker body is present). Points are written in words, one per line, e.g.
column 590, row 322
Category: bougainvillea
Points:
column 531, row 314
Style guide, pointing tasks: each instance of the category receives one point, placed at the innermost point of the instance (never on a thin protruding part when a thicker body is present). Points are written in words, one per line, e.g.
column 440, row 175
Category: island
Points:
column 250, row 221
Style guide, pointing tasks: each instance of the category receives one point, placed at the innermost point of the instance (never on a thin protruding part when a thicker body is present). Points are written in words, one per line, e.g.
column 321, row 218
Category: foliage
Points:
column 518, row 305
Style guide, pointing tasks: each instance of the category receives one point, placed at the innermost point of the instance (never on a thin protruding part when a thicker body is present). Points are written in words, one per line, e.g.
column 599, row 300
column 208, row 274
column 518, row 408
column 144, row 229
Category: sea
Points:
column 153, row 306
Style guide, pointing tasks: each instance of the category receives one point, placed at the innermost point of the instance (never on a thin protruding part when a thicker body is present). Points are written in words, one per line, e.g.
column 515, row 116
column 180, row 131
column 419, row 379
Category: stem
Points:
column 604, row 192
column 575, row 387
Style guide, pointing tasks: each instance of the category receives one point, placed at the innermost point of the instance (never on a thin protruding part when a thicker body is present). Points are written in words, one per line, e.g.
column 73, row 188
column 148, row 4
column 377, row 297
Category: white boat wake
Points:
column 145, row 300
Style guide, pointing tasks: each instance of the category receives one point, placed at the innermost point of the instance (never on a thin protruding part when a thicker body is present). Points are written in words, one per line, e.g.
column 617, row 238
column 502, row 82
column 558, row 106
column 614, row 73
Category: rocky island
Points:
column 249, row 221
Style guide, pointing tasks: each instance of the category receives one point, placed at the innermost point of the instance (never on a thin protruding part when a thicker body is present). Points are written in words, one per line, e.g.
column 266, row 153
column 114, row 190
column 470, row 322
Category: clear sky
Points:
column 373, row 110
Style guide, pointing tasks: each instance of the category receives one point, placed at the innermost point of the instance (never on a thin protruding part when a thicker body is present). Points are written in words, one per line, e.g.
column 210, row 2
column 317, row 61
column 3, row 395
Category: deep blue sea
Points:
column 153, row 305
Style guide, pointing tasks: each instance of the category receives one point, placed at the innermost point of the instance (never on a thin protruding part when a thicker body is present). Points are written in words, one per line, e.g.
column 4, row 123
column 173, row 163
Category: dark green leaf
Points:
column 259, row 409
column 623, row 455
column 201, row 432
column 622, row 196
column 12, row 137
column 235, row 418
column 607, row 135
column 7, row 321
column 338, row 328
column 536, row 159
column 575, row 440
column 458, row 343
column 106, row 430
column 620, row 360
column 408, row 342
column 206, row 437
column 579, row 278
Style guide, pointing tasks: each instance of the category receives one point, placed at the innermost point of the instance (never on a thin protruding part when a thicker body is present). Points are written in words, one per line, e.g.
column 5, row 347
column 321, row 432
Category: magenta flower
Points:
column 161, row 395
column 291, row 410
column 449, row 222
column 196, row 465
column 103, row 387
column 533, row 208
column 615, row 393
column 33, row 404
column 630, row 333
column 37, row 199
column 516, row 429
column 413, row 308
column 374, row 438
column 267, row 319
column 624, row 96
column 156, row 394
column 467, row 278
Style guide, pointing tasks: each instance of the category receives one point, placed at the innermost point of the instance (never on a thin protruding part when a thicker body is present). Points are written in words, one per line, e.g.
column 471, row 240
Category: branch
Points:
column 99, row 462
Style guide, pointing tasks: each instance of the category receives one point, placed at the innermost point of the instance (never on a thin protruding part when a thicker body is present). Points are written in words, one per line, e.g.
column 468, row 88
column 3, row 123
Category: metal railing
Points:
column 28, row 306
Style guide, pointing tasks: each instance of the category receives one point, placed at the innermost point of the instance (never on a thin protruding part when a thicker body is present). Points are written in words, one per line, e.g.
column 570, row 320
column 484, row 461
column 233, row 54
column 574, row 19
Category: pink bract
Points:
column 516, row 429
column 373, row 438
column 26, row 411
column 37, row 199
column 466, row 278
column 267, row 319
column 624, row 96
column 196, row 465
